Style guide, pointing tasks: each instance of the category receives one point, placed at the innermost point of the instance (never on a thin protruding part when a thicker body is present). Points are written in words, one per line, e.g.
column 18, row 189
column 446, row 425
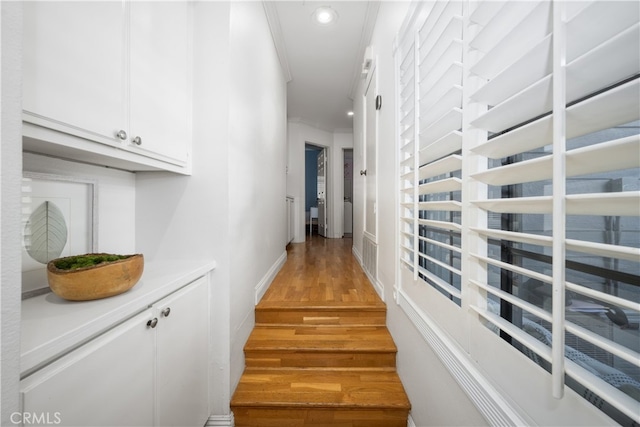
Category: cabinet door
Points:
column 159, row 59
column 73, row 67
column 182, row 356
column 106, row 382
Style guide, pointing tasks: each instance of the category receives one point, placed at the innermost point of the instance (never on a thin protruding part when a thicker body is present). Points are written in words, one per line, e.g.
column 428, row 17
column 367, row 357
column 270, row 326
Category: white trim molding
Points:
column 496, row 410
column 278, row 40
column 356, row 254
column 365, row 38
column 220, row 421
column 265, row 282
column 379, row 288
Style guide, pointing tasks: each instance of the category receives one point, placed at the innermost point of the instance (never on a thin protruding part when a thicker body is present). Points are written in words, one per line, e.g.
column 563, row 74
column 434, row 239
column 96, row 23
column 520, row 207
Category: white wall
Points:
column 232, row 208
column 257, row 154
column 10, row 193
column 297, row 136
column 436, row 398
column 189, row 216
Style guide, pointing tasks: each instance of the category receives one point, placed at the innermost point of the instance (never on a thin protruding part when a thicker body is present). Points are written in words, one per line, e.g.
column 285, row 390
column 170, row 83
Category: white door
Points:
column 348, row 191
column 182, row 355
column 370, row 161
column 322, row 193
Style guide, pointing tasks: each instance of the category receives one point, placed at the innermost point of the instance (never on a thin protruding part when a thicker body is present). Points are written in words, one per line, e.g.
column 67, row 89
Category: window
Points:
column 522, row 126
column 431, row 142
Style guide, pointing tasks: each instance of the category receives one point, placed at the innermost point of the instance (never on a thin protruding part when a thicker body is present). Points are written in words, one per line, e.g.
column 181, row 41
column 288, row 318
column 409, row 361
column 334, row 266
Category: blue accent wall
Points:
column 311, row 178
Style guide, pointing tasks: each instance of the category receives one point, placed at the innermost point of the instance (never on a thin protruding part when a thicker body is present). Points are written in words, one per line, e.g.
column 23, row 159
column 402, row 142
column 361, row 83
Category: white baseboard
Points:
column 410, row 422
column 496, row 410
column 376, row 284
column 356, row 254
column 220, row 421
column 264, row 284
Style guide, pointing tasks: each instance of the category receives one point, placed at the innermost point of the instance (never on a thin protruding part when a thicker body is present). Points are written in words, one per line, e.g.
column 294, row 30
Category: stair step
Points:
column 320, row 346
column 307, row 314
column 320, row 354
column 310, row 397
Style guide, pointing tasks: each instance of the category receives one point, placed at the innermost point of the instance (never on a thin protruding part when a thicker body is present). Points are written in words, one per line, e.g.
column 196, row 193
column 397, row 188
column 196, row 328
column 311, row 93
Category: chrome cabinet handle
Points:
column 166, row 312
column 363, row 172
column 137, row 140
column 122, row 135
column 152, row 323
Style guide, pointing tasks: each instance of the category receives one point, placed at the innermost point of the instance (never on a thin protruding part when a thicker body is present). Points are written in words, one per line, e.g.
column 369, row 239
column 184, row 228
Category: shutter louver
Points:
column 602, row 154
column 439, row 182
column 408, row 155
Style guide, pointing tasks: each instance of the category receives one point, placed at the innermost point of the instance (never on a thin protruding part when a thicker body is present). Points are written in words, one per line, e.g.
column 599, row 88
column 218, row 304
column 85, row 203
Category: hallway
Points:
column 320, row 354
column 321, row 272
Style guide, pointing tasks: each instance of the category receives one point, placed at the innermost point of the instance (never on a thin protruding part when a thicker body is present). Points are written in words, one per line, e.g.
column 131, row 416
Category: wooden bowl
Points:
column 102, row 280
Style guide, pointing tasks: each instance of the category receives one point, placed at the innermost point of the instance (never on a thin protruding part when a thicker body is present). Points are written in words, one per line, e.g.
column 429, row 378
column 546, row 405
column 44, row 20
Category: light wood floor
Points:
column 321, row 272
column 320, row 354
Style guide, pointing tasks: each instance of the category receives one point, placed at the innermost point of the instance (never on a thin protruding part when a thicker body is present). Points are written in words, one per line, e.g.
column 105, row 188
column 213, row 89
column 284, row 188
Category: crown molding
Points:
column 365, row 38
column 309, row 123
column 276, row 34
column 306, row 122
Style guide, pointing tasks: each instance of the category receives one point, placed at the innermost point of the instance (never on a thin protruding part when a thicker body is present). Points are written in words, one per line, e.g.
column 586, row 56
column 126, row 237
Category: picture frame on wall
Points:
column 59, row 217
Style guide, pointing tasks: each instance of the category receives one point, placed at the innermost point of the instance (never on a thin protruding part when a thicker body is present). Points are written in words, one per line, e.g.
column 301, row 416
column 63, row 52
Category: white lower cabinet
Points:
column 182, row 357
column 106, row 382
column 150, row 370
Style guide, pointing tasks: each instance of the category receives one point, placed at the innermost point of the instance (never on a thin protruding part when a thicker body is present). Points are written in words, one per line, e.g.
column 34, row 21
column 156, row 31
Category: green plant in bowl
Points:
column 94, row 276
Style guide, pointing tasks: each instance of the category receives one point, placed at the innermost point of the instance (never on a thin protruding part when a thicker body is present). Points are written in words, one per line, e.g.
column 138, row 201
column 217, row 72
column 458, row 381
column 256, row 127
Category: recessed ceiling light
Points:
column 350, row 113
column 324, row 15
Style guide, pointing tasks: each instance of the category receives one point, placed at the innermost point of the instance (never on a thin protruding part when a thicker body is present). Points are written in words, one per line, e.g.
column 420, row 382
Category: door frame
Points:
column 344, row 155
column 371, row 82
column 328, row 185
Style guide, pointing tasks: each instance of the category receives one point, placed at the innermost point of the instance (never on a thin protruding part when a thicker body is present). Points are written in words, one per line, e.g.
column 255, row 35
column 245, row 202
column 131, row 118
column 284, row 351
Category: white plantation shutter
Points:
column 543, row 99
column 597, row 91
column 430, row 121
column 406, row 90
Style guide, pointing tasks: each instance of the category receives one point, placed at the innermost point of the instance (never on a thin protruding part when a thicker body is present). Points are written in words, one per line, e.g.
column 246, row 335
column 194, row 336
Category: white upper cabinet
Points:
column 74, row 67
column 159, row 59
column 113, row 73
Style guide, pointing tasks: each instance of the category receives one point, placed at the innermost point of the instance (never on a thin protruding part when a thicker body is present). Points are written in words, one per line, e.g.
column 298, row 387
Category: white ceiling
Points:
column 323, row 63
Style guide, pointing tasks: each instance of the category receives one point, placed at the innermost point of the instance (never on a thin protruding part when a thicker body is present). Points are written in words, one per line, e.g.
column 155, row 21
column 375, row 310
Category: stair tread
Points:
column 322, row 305
column 358, row 338
column 339, row 388
column 305, row 314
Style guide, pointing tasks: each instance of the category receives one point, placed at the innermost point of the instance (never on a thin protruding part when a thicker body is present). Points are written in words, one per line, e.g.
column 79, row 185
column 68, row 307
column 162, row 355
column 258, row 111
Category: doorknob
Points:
column 363, row 172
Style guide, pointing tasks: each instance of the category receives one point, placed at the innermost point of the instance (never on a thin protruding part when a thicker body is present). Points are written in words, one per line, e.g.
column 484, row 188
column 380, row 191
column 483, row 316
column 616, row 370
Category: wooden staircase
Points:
column 319, row 361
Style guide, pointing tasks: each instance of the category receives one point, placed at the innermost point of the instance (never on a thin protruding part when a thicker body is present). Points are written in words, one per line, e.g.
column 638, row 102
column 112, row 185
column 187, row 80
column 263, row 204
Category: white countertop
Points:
column 52, row 326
